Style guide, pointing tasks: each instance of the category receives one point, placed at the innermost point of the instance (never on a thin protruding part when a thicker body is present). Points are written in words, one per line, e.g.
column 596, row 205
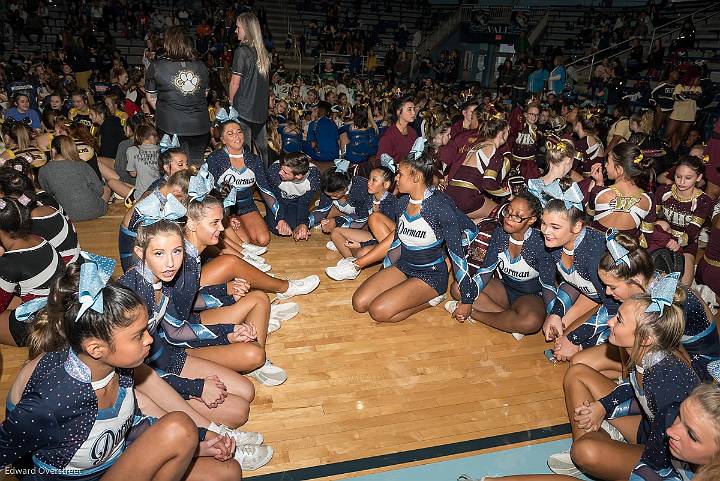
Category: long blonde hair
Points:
column 65, row 147
column 253, row 38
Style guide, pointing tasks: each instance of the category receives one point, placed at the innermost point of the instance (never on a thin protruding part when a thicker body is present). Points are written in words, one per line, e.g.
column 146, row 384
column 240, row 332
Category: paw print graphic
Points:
column 187, row 82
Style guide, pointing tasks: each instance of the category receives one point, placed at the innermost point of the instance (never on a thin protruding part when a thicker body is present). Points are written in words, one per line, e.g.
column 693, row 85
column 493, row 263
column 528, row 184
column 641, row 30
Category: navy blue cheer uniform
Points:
column 700, row 339
column 243, row 179
column 291, row 142
column 530, row 273
column 354, row 211
column 58, row 423
column 666, row 383
column 582, row 278
column 171, row 334
column 294, row 196
column 418, row 249
column 387, row 206
column 362, row 143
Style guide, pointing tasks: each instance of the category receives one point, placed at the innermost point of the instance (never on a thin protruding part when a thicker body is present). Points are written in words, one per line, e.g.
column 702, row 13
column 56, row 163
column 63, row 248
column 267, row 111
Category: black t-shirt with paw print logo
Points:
column 181, row 89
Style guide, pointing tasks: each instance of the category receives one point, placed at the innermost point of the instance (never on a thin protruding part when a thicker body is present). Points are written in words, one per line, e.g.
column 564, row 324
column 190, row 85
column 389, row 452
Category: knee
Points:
column 262, row 238
column 584, row 453
column 260, row 299
column 239, row 412
column 227, row 471
column 178, row 431
column 253, row 357
column 530, row 323
column 381, row 311
column 574, row 372
column 359, row 303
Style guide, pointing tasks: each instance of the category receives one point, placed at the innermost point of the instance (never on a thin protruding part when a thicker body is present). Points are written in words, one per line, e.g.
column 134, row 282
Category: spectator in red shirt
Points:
column 399, row 138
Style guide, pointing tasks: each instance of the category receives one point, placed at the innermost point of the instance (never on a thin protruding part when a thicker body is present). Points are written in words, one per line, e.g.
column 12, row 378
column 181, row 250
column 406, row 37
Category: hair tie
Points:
column 95, row 273
column 662, row 293
column 418, row 148
column 168, row 143
column 201, row 184
column 639, row 158
column 572, row 197
column 152, row 209
column 617, row 251
column 225, row 116
column 342, row 166
column 387, row 161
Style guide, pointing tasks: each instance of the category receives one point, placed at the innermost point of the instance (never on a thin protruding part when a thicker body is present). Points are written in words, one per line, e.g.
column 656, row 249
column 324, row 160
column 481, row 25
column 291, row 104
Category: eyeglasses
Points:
column 516, row 218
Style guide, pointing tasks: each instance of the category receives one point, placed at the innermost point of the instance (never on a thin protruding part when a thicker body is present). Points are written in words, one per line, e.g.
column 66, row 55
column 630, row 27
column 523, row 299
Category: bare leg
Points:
column 224, row 268
column 253, row 309
column 525, row 316
column 112, row 178
column 236, row 235
column 689, row 270
column 5, row 336
column 340, row 234
column 374, row 286
column 583, row 384
column 380, row 225
column 604, row 358
column 377, row 253
column 256, row 228
column 202, row 469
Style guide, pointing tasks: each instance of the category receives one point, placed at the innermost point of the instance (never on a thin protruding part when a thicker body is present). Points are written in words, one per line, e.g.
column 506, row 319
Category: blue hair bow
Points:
column 27, row 310
column 342, row 166
column 229, row 115
column 152, row 209
column 418, row 147
column 572, row 197
column 95, row 273
column 617, row 251
column 714, row 370
column 168, row 143
column 387, row 161
column 201, row 184
column 230, row 199
column 662, row 293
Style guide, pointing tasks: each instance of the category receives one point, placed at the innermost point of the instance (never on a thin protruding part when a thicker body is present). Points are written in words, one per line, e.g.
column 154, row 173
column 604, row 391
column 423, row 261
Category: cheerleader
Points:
column 416, row 274
column 172, row 158
column 358, row 139
column 28, row 266
column 361, row 248
column 682, row 210
column 624, row 205
column 526, row 143
column 484, row 171
column 576, row 251
column 626, row 270
column 73, row 409
column 238, row 170
column 588, row 143
column 291, row 133
column 214, row 391
column 344, row 201
column 295, row 181
column 560, row 155
column 708, row 269
column 46, row 221
column 649, row 329
column 517, row 301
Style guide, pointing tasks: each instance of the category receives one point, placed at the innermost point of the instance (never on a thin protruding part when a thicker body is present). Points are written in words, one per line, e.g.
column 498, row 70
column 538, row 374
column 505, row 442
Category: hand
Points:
column 327, row 225
column 663, row 224
column 214, row 392
column 553, row 327
column 442, row 184
column 352, row 244
column 596, row 173
column 238, row 288
column 221, row 448
column 589, row 416
column 283, row 228
column 235, row 222
column 243, row 333
column 301, row 232
column 673, row 245
column 462, row 312
column 564, row 349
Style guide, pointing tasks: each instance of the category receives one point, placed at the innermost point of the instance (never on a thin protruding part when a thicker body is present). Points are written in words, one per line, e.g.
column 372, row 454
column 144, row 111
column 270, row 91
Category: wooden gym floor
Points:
column 362, row 397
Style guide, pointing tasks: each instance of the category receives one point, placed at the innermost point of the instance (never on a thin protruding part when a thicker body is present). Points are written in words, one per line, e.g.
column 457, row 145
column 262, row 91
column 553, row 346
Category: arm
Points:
column 191, row 333
column 490, row 262
column 454, row 243
column 265, row 191
column 187, row 388
column 307, row 197
column 495, row 174
column 617, row 402
column 151, row 86
column 274, row 181
column 321, row 211
column 7, row 286
column 233, row 86
column 28, row 420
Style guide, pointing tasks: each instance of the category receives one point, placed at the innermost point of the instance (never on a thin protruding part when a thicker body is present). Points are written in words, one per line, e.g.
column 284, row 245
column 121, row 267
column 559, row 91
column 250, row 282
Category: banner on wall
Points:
column 494, row 24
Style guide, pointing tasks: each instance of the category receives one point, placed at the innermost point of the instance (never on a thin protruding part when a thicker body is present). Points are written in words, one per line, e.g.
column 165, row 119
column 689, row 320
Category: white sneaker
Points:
column 346, row 260
column 343, row 272
column 517, row 336
column 562, row 463
column 262, row 266
column 284, row 312
column 614, row 432
column 450, row 306
column 299, row 287
column 331, row 246
column 254, row 249
column 269, row 374
column 252, row 456
column 436, row 300
column 241, row 437
column 273, row 325
column 254, row 258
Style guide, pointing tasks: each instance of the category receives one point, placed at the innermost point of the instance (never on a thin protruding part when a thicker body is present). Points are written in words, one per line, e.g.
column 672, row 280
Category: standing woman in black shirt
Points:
column 249, row 83
column 176, row 86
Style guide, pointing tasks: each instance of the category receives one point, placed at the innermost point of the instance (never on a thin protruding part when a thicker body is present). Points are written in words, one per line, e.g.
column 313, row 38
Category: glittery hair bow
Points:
column 26, row 311
column 713, row 368
column 229, row 115
column 554, row 143
column 639, row 158
column 662, row 293
column 342, row 166
column 168, row 143
column 201, row 184
column 95, row 273
column 617, row 251
column 387, row 161
column 152, row 209
column 572, row 197
column 418, row 148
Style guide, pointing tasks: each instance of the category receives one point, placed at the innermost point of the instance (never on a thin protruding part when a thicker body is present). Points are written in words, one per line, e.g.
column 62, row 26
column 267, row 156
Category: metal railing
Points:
column 653, row 37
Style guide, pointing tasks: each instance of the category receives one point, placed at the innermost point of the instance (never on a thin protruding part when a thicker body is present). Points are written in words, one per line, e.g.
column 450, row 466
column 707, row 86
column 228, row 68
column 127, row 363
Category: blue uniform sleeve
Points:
column 274, row 181
column 213, row 296
column 271, row 201
column 28, row 427
column 546, row 267
column 592, row 332
column 567, row 294
column 617, row 402
column 307, row 197
column 454, row 243
column 187, row 388
column 487, row 268
column 643, row 472
column 192, row 333
column 321, row 211
column 361, row 200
